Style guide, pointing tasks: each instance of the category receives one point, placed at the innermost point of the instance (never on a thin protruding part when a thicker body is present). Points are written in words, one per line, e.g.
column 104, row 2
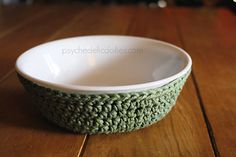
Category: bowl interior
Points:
column 102, row 61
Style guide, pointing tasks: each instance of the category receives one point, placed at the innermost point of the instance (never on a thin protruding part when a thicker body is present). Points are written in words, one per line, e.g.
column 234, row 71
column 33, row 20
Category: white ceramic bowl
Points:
column 104, row 84
column 104, row 64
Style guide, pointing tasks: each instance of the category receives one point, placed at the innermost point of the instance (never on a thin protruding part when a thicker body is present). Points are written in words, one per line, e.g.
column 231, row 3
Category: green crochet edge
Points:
column 105, row 113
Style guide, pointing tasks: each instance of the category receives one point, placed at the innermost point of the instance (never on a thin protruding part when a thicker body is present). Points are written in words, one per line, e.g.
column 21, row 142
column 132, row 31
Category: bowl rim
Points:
column 106, row 89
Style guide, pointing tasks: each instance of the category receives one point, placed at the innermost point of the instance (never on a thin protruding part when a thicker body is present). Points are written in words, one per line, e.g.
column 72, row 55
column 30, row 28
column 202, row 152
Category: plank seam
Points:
column 130, row 25
column 8, row 74
column 24, row 23
column 84, row 145
column 85, row 142
column 208, row 124
column 76, row 17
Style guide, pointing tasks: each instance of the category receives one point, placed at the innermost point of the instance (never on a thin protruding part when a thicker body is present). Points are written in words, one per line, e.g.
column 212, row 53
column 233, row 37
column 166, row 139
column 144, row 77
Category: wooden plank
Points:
column 209, row 35
column 182, row 133
column 35, row 32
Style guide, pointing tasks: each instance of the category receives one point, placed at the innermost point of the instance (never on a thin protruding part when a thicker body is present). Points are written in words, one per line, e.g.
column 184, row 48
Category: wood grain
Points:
column 182, row 133
column 210, row 39
column 201, row 124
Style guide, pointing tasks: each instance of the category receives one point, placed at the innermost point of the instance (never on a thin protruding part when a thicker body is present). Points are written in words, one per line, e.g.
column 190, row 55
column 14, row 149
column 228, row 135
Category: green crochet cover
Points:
column 105, row 113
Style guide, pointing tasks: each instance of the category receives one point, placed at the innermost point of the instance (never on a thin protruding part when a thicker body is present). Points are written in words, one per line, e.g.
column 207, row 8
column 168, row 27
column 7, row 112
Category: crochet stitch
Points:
column 105, row 113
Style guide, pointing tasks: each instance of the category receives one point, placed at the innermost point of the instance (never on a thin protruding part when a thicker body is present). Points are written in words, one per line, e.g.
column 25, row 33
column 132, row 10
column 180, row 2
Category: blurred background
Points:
column 148, row 3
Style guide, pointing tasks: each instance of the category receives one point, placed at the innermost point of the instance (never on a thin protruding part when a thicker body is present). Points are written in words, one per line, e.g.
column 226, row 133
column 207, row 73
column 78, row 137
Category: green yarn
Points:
column 105, row 113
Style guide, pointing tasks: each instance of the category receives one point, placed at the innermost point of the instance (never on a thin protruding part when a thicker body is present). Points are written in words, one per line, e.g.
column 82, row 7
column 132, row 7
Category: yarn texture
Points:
column 105, row 113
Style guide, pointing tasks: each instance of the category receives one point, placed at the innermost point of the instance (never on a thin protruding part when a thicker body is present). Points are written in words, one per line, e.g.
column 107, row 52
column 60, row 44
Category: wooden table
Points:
column 203, row 122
